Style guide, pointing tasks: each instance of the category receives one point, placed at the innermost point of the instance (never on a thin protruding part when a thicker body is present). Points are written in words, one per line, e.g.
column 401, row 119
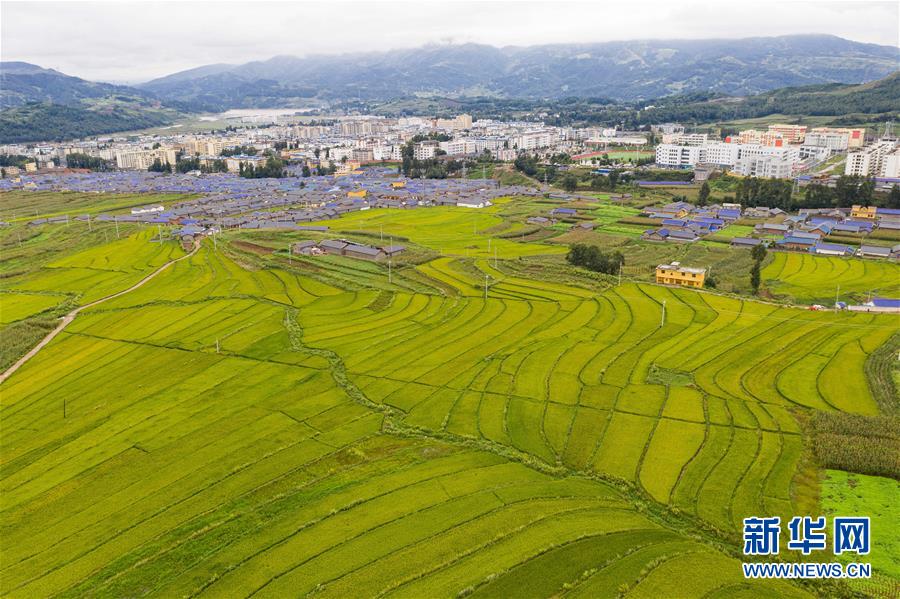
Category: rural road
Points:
column 64, row 322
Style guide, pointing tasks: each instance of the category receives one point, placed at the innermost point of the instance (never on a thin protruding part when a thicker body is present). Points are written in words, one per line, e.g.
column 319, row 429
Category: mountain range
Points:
column 627, row 70
column 689, row 77
column 624, row 71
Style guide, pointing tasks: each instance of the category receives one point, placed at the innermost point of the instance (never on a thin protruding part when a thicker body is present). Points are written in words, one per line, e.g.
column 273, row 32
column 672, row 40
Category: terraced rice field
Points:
column 449, row 230
column 234, row 431
column 809, row 278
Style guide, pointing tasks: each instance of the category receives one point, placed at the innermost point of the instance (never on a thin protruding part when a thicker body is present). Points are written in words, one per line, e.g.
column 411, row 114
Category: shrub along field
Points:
column 249, row 424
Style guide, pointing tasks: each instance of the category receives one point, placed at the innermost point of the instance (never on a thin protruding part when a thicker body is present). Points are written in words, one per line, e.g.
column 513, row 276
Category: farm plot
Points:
column 810, row 279
column 138, row 460
column 451, row 231
column 18, row 306
column 227, row 431
column 506, row 369
column 101, row 270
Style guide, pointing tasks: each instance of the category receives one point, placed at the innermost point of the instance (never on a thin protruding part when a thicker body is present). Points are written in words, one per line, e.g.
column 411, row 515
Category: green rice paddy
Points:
column 241, row 425
column 808, row 278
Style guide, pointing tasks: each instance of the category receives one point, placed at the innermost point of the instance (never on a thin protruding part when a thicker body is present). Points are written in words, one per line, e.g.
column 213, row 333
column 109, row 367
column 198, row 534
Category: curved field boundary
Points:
column 68, row 318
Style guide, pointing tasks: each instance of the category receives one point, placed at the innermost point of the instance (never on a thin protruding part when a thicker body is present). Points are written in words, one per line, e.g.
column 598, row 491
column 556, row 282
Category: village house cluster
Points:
column 227, row 201
column 683, row 222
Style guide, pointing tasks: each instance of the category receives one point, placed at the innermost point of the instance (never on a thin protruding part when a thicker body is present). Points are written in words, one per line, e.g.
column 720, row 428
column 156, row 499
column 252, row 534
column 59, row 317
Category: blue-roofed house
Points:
column 832, row 249
column 791, row 242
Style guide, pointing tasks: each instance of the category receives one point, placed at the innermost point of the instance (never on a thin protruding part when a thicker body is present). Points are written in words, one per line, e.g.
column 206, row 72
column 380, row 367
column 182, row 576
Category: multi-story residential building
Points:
column 890, row 166
column 748, row 159
column 363, row 155
column 869, row 161
column 667, row 128
column 677, row 156
column 424, row 150
column 836, row 141
column 856, row 136
column 763, row 138
column 142, row 159
column 459, row 123
column 764, row 167
column 685, row 139
column 792, row 134
column 532, row 140
column 721, row 154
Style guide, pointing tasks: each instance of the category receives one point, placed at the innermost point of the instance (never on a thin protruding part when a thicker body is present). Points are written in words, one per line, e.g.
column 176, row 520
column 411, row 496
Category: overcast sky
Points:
column 134, row 41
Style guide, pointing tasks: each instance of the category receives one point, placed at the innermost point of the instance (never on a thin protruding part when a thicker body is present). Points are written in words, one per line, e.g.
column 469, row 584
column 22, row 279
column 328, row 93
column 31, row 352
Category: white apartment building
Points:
column 462, row 146
column 425, row 150
column 856, row 136
column 685, row 139
column 677, row 156
column 764, row 167
column 142, row 159
column 748, row 159
column 836, row 141
column 869, row 161
column 720, row 153
column 533, row 140
column 891, row 165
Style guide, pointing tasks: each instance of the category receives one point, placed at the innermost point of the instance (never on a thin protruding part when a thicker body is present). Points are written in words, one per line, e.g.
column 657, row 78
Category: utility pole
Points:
column 159, row 232
column 215, row 245
column 836, row 294
column 662, row 321
column 116, row 220
column 485, row 287
column 217, row 345
column 290, row 257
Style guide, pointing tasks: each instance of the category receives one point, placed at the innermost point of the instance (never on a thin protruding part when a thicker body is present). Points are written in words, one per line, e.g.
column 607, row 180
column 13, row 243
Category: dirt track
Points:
column 65, row 320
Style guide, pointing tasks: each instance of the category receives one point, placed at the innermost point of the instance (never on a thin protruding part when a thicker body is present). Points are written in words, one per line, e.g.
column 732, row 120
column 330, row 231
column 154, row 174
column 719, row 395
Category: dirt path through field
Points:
column 64, row 322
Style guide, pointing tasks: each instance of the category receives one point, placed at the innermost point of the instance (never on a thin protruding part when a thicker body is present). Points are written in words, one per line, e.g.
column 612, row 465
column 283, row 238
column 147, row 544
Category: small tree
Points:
column 703, row 196
column 613, row 177
column 570, row 182
column 306, row 171
column 758, row 253
column 893, row 200
column 754, row 278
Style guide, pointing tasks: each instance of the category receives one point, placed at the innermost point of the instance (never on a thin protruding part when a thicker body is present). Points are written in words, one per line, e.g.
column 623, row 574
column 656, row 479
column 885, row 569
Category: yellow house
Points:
column 398, row 184
column 359, row 193
column 676, row 274
column 862, row 212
